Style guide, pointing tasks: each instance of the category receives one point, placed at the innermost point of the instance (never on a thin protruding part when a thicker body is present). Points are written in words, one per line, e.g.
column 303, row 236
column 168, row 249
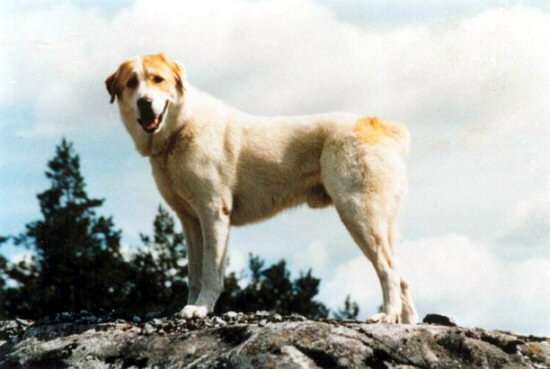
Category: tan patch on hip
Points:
column 371, row 130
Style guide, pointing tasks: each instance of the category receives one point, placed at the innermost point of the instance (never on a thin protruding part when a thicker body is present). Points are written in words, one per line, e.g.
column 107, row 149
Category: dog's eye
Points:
column 132, row 82
column 158, row 79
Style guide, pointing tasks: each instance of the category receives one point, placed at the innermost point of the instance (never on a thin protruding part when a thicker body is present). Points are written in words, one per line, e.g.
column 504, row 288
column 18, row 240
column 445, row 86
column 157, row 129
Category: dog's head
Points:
column 150, row 91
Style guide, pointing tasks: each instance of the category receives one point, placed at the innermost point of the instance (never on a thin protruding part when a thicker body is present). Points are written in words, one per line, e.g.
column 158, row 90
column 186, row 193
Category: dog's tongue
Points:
column 153, row 124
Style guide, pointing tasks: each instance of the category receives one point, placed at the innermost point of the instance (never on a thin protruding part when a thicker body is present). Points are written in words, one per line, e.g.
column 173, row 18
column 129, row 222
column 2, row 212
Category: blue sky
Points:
column 468, row 78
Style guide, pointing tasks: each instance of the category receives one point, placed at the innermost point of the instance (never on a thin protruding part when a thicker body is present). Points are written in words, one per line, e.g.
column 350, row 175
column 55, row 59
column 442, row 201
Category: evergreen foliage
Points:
column 271, row 288
column 76, row 262
column 349, row 311
column 158, row 270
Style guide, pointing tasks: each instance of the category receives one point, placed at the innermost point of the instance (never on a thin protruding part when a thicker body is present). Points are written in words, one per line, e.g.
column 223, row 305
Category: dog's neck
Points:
column 187, row 118
column 162, row 142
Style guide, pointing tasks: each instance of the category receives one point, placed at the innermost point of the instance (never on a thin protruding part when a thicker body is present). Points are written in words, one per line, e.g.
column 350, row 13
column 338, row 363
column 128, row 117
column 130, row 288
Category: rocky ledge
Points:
column 261, row 340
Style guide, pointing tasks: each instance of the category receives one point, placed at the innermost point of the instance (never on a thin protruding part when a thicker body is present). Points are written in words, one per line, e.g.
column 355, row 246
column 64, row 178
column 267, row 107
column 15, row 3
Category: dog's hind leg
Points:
column 366, row 185
column 408, row 311
column 368, row 231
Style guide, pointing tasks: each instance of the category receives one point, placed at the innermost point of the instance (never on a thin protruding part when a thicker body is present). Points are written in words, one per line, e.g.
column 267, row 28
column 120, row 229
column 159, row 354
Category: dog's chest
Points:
column 170, row 180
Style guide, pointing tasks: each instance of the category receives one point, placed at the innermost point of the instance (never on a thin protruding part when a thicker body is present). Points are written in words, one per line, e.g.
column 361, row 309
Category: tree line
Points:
column 75, row 263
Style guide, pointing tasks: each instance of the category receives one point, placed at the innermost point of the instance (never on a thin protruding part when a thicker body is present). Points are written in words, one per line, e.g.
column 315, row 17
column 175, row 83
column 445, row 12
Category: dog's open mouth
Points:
column 150, row 122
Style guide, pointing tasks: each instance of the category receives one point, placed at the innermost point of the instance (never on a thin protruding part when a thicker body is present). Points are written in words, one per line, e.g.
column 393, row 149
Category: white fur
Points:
column 217, row 166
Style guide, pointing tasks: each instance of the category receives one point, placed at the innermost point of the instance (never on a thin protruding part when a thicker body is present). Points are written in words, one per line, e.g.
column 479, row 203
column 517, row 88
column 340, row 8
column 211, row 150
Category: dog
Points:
column 217, row 166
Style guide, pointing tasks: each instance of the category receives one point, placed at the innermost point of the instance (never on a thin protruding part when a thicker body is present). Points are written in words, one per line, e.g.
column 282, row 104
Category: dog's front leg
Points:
column 193, row 235
column 215, row 232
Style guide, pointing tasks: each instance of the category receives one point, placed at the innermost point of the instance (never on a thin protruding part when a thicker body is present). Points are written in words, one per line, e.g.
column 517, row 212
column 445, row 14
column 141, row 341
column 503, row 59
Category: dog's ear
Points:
column 179, row 75
column 177, row 69
column 111, row 84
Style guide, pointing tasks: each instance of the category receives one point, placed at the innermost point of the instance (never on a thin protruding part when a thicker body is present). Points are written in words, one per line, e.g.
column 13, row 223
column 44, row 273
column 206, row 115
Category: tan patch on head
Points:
column 159, row 66
column 373, row 130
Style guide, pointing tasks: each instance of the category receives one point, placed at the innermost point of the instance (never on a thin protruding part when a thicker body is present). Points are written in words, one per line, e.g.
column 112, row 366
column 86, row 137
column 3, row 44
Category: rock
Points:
column 439, row 320
column 156, row 322
column 297, row 317
column 262, row 342
column 148, row 329
column 262, row 314
column 230, row 315
column 219, row 321
column 9, row 329
column 22, row 322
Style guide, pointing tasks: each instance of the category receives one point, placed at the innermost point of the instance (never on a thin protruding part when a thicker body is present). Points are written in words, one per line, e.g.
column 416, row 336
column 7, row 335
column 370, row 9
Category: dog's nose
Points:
column 144, row 103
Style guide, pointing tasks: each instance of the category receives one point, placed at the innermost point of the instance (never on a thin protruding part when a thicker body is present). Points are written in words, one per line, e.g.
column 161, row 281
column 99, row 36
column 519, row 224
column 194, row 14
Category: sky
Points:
column 470, row 80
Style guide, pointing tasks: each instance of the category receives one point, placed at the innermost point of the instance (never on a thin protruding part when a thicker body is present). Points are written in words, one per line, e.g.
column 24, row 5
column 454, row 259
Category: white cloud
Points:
column 314, row 256
column 453, row 275
column 529, row 225
column 237, row 261
column 301, row 56
column 392, row 13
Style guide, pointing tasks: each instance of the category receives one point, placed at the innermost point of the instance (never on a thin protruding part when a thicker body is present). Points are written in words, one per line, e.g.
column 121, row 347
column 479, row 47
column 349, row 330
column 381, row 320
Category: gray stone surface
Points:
column 262, row 340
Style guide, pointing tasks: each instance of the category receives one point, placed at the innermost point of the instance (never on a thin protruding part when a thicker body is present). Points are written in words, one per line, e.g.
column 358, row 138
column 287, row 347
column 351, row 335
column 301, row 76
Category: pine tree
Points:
column 271, row 288
column 349, row 311
column 159, row 269
column 231, row 290
column 3, row 278
column 76, row 261
column 305, row 288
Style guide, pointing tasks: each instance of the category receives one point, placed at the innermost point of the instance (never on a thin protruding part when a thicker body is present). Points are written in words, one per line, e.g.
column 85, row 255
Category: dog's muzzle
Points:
column 148, row 120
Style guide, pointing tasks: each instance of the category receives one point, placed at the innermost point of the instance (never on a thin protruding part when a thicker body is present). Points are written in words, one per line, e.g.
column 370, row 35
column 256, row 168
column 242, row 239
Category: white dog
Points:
column 217, row 166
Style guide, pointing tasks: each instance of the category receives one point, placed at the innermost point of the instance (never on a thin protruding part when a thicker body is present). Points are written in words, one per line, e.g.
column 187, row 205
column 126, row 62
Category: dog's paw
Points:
column 384, row 318
column 193, row 311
